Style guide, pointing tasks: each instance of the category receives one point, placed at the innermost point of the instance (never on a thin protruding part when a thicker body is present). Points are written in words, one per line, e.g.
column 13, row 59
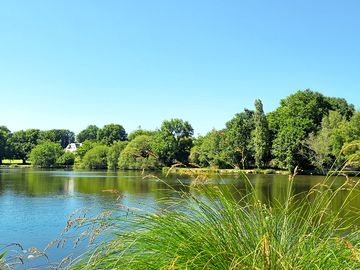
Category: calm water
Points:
column 35, row 204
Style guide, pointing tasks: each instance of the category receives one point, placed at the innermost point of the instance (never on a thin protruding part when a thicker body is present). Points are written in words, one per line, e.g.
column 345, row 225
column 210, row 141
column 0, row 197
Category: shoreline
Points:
column 207, row 171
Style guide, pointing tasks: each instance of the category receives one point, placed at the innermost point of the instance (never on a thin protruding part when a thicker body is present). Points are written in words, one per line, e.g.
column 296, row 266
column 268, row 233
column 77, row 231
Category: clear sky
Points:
column 68, row 64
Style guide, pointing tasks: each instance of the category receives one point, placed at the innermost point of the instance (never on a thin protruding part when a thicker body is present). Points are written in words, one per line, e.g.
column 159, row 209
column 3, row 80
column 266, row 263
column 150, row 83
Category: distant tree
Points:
column 111, row 133
column 287, row 147
column 334, row 126
column 352, row 132
column 66, row 159
column 61, row 136
column 208, row 150
column 297, row 116
column 260, row 136
column 46, row 154
column 22, row 142
column 114, row 154
column 89, row 133
column 351, row 150
column 138, row 154
column 341, row 106
column 173, row 141
column 238, row 149
column 320, row 150
column 5, row 129
column 323, row 147
column 4, row 137
column 139, row 132
column 96, row 158
column 84, row 148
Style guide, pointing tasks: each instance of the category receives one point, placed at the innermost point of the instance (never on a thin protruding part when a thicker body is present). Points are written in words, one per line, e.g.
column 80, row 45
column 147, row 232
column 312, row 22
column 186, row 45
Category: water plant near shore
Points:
column 213, row 228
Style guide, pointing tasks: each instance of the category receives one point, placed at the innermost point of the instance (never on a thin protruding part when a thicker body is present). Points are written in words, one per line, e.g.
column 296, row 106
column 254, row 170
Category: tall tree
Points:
column 89, row 133
column 238, row 148
column 139, row 132
column 4, row 137
column 297, row 116
column 138, row 154
column 208, row 150
column 85, row 147
column 260, row 136
column 325, row 146
column 114, row 154
column 111, row 133
column 61, row 136
column 22, row 142
column 95, row 158
column 46, row 154
column 173, row 141
column 341, row 106
column 352, row 132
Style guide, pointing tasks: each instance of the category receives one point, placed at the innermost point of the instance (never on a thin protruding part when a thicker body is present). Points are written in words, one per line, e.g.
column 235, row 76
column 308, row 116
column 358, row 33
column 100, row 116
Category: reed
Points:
column 212, row 227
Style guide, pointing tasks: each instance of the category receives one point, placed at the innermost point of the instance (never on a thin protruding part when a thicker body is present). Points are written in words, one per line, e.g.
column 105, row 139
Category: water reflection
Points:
column 35, row 204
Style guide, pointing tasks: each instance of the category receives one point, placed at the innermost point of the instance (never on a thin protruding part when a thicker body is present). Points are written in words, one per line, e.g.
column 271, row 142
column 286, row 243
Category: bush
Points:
column 138, row 155
column 45, row 155
column 84, row 148
column 114, row 154
column 66, row 159
column 95, row 158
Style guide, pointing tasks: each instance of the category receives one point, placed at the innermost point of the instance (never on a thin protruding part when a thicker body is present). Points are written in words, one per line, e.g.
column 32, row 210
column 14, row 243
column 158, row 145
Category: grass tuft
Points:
column 212, row 227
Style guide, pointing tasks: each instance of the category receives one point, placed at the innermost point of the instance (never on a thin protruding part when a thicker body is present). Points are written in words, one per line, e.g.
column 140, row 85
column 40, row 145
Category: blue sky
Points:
column 68, row 64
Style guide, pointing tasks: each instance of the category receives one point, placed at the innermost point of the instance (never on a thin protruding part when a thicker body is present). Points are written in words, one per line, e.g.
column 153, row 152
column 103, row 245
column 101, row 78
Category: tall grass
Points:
column 213, row 228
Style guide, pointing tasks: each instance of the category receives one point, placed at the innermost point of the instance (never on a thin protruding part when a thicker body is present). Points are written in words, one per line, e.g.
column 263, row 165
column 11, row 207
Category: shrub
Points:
column 95, row 158
column 114, row 154
column 138, row 155
column 66, row 159
column 46, row 154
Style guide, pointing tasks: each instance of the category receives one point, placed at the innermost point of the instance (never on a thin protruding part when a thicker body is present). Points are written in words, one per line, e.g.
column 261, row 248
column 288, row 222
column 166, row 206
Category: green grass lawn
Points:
column 12, row 161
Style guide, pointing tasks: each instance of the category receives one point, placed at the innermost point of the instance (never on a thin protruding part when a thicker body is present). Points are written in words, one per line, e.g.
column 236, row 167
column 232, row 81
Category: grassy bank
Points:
column 212, row 228
column 209, row 171
column 14, row 163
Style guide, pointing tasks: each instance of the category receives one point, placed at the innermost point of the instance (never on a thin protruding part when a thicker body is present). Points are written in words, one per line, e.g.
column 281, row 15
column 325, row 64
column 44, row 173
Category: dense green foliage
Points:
column 46, row 155
column 139, row 132
column 299, row 115
column 111, row 133
column 260, row 136
column 138, row 154
column 238, row 148
column 4, row 137
column 308, row 130
column 89, row 133
column 61, row 136
column 114, row 154
column 85, row 147
column 66, row 159
column 215, row 228
column 208, row 150
column 95, row 158
column 22, row 142
column 173, row 142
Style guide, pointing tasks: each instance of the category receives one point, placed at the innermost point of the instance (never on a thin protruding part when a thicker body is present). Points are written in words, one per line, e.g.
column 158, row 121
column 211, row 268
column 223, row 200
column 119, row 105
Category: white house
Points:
column 72, row 147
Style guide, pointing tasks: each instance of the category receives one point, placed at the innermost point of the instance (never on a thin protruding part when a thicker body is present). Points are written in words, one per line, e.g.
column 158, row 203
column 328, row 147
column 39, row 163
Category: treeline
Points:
column 308, row 130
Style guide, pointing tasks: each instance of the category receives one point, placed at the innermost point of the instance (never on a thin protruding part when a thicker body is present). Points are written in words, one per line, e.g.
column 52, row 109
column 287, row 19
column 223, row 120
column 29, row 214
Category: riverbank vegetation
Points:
column 308, row 130
column 210, row 227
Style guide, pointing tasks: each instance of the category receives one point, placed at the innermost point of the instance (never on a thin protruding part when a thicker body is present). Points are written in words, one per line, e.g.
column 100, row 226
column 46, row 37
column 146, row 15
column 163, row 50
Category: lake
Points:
column 35, row 204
